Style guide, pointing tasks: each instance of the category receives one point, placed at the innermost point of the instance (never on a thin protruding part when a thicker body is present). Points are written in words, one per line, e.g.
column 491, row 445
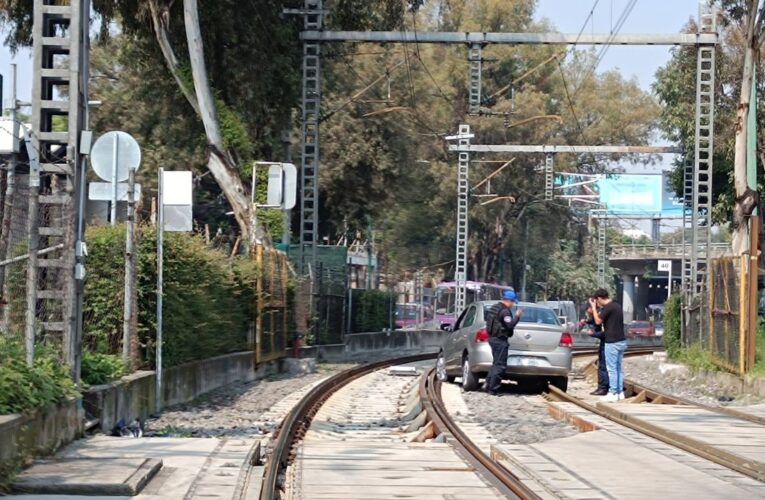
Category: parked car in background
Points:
column 565, row 310
column 409, row 314
column 640, row 328
column 540, row 350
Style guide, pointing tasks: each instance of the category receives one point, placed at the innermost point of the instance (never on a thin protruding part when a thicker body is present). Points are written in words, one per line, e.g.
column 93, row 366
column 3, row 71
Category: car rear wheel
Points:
column 441, row 369
column 560, row 382
column 469, row 379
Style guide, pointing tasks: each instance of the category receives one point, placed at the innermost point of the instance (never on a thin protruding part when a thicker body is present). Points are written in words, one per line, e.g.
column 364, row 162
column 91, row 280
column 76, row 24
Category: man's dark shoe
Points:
column 599, row 392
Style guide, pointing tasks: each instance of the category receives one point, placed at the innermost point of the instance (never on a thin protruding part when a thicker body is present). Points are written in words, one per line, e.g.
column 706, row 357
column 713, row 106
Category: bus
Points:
column 446, row 294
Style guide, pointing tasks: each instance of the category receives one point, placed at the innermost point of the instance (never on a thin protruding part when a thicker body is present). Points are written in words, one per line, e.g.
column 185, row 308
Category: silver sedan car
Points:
column 539, row 351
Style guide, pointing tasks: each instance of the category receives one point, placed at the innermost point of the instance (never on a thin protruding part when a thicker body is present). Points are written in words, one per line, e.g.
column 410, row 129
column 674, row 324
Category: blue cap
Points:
column 509, row 295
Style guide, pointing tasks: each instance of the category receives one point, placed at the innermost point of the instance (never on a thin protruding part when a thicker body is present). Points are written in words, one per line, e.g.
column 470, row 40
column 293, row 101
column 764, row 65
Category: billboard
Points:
column 624, row 194
column 631, row 194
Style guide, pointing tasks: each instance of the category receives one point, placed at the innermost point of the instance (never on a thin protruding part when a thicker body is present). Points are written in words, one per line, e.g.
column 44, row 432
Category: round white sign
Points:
column 115, row 149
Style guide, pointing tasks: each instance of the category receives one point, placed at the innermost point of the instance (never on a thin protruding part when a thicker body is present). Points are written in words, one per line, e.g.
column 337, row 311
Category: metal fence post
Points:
column 160, row 292
column 127, row 323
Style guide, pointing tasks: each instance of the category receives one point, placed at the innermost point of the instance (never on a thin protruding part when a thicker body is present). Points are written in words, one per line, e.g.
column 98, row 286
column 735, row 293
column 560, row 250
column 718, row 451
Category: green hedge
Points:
column 372, row 310
column 208, row 301
column 25, row 387
column 672, row 319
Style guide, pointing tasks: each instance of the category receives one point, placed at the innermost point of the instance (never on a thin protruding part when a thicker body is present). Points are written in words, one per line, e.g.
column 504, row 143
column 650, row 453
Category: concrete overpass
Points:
column 634, row 262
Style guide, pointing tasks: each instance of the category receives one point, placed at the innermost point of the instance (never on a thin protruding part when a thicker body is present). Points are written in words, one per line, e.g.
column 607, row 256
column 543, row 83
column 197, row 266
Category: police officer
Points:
column 501, row 324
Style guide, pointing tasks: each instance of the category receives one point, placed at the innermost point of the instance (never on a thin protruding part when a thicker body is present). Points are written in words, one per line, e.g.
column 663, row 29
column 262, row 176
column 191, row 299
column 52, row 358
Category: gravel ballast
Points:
column 678, row 380
column 237, row 410
column 516, row 417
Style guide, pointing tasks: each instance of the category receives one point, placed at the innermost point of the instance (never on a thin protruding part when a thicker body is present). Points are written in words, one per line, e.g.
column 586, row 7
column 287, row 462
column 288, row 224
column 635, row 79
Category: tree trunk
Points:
column 218, row 162
column 740, row 242
column 200, row 97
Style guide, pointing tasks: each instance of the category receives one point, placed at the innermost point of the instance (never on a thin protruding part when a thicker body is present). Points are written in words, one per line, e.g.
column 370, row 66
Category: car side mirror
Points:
column 446, row 327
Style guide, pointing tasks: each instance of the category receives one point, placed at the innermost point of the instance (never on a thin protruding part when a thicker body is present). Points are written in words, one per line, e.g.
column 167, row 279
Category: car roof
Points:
column 485, row 303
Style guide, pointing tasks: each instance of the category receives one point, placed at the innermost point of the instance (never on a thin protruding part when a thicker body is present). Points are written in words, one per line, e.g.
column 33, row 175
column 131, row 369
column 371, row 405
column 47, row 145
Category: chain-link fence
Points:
column 13, row 253
column 696, row 321
column 731, row 337
column 271, row 315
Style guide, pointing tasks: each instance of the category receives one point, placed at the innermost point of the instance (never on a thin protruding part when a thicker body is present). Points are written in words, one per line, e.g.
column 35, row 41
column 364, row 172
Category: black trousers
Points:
column 499, row 363
column 602, row 368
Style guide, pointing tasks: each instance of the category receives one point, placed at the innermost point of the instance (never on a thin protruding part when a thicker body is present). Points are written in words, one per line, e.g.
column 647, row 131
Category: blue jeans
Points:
column 499, row 347
column 614, row 357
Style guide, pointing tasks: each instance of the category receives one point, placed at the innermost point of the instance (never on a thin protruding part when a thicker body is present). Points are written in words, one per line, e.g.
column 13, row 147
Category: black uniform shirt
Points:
column 503, row 321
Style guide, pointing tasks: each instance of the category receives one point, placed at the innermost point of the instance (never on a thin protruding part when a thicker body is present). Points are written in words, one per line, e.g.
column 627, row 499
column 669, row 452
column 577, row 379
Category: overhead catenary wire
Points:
column 599, row 58
column 425, row 67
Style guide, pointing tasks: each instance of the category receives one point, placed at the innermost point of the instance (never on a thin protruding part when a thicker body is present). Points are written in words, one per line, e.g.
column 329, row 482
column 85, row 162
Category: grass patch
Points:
column 695, row 356
column 758, row 370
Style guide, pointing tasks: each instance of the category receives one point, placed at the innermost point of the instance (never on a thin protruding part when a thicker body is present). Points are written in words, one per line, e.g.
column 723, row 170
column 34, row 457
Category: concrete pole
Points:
column 628, row 297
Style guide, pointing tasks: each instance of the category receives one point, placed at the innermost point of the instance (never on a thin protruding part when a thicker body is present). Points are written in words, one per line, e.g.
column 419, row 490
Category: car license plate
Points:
column 522, row 361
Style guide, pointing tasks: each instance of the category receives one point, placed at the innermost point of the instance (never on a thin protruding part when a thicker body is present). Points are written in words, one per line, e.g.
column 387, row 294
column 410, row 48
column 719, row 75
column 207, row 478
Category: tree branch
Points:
column 160, row 19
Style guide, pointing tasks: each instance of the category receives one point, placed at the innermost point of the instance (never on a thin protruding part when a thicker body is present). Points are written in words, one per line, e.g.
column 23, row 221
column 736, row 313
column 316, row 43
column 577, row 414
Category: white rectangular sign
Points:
column 103, row 191
column 665, row 266
column 176, row 187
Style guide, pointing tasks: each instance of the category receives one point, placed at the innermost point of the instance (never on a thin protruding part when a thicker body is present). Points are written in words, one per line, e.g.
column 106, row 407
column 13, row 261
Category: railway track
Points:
column 638, row 394
column 297, row 421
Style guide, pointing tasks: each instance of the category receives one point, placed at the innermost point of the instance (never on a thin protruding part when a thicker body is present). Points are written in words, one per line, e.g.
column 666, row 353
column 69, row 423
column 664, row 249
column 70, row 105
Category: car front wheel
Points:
column 441, row 369
column 469, row 379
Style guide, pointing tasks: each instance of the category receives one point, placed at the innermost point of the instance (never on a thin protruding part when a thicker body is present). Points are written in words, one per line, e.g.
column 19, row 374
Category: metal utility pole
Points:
column 549, row 177
column 704, row 151
column 476, row 59
column 463, row 197
column 601, row 250
column 57, row 181
column 313, row 21
column 687, row 275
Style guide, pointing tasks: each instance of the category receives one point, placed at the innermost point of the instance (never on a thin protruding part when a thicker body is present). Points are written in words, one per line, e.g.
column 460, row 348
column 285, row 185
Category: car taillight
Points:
column 482, row 335
column 566, row 340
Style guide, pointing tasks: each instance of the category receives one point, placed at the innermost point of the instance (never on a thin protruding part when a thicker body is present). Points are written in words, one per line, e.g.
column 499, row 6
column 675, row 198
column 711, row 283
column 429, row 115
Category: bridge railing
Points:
column 659, row 251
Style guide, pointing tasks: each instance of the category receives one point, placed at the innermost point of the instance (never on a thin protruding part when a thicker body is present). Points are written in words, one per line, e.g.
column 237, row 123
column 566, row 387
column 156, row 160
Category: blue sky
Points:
column 648, row 16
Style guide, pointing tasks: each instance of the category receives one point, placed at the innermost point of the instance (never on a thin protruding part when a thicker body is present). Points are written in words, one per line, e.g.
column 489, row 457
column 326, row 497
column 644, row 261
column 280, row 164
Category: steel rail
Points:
column 505, row 481
column 693, row 446
column 298, row 419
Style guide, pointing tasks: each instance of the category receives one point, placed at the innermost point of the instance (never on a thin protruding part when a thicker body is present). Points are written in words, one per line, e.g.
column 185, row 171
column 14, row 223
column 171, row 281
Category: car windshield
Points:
column 640, row 324
column 532, row 314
